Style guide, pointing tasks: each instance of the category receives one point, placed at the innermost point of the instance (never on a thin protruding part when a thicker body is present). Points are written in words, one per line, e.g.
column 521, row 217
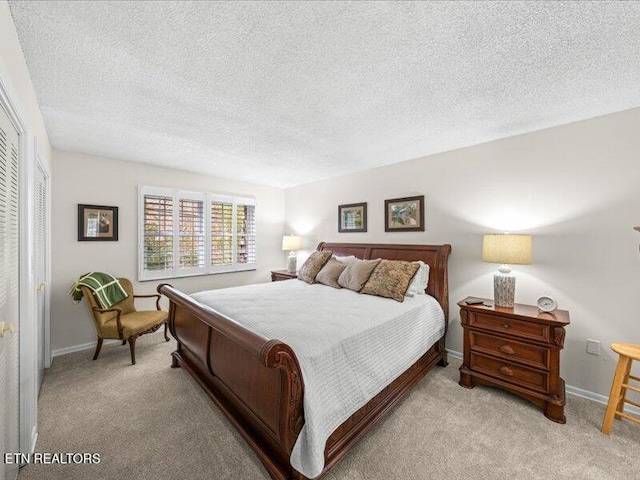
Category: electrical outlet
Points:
column 593, row 347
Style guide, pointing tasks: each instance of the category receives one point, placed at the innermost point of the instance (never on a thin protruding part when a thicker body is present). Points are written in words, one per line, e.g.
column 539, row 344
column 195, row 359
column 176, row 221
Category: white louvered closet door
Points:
column 9, row 288
column 40, row 267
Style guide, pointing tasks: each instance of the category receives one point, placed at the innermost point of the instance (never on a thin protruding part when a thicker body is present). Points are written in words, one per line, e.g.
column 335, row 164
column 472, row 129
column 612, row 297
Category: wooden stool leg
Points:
column 623, row 396
column 616, row 392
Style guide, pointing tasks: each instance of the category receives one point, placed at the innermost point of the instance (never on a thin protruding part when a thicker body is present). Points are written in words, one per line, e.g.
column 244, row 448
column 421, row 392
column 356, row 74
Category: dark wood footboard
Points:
column 257, row 382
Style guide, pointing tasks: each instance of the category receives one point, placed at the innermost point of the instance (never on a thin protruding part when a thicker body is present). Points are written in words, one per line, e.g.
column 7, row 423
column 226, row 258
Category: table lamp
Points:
column 506, row 249
column 291, row 243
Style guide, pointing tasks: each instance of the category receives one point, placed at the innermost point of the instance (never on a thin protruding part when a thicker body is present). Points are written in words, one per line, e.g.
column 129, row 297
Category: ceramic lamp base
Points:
column 292, row 263
column 504, row 290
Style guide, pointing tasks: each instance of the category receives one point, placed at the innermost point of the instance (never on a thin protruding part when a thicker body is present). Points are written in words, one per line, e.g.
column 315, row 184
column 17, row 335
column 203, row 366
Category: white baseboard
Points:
column 87, row 346
column 596, row 397
column 79, row 348
column 578, row 392
column 454, row 354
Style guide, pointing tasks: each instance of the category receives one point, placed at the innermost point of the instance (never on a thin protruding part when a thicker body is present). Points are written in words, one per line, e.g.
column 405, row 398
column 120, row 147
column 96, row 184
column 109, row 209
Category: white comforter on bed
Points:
column 350, row 346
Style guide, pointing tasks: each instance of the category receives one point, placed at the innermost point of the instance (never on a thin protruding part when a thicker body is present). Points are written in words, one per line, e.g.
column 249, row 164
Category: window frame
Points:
column 207, row 197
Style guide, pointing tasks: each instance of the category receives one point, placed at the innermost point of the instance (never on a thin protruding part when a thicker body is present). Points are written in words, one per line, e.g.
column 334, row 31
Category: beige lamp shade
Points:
column 291, row 242
column 507, row 249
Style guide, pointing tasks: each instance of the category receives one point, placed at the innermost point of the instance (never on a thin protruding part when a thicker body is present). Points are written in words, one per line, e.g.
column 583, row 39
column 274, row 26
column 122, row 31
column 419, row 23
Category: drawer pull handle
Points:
column 507, row 349
column 504, row 370
column 506, row 325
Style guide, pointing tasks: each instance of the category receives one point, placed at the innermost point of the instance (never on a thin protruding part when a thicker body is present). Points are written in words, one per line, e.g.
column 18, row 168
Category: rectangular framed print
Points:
column 352, row 217
column 97, row 223
column 404, row 214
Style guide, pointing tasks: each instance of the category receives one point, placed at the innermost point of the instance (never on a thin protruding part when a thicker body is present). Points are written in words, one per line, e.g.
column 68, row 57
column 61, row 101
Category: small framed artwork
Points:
column 352, row 217
column 97, row 223
column 404, row 214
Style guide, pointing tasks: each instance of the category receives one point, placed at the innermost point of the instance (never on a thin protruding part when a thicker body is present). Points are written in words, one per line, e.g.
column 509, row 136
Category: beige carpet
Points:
column 152, row 422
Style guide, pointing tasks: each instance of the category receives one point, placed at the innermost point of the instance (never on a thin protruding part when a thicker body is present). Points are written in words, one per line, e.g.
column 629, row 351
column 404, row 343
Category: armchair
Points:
column 122, row 321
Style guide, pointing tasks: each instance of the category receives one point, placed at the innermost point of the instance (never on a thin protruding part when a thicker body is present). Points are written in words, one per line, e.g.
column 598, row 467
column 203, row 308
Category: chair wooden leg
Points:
column 98, row 347
column 616, row 393
column 166, row 337
column 132, row 346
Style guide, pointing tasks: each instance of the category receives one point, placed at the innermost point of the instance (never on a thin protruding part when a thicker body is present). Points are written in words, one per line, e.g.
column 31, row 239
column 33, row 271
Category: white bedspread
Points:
column 350, row 346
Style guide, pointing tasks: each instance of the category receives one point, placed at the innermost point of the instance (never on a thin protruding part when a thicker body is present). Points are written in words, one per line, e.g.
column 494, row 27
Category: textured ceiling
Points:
column 284, row 93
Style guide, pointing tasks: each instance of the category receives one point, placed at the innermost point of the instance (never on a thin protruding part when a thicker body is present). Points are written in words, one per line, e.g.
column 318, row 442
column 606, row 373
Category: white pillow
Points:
column 346, row 260
column 419, row 281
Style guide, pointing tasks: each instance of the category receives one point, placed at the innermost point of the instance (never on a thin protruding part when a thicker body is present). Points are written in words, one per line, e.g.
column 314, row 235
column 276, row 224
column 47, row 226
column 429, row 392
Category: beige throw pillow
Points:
column 313, row 265
column 330, row 273
column 356, row 274
column 345, row 260
column 391, row 279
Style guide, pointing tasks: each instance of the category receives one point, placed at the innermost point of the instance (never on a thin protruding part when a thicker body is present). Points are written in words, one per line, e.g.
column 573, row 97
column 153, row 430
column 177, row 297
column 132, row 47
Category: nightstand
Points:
column 279, row 275
column 516, row 349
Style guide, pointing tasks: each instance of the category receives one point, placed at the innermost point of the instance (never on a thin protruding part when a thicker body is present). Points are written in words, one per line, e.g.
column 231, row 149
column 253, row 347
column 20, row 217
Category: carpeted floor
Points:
column 151, row 422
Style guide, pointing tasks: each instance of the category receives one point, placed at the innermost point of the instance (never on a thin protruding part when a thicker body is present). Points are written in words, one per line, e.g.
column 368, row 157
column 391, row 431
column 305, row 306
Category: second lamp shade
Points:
column 291, row 242
column 507, row 249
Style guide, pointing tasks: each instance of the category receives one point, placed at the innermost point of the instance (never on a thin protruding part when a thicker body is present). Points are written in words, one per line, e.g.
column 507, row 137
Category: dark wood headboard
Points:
column 436, row 256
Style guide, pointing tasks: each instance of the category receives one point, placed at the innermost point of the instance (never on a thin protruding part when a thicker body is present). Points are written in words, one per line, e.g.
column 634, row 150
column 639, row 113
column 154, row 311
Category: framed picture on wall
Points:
column 97, row 223
column 352, row 217
column 404, row 214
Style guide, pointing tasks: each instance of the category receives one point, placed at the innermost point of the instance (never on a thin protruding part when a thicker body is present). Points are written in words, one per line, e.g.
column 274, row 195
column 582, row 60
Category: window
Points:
column 189, row 233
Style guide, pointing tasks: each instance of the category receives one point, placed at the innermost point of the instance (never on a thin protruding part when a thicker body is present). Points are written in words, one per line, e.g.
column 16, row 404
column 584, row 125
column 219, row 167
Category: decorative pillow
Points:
column 420, row 281
column 345, row 260
column 357, row 273
column 330, row 273
column 391, row 279
column 313, row 265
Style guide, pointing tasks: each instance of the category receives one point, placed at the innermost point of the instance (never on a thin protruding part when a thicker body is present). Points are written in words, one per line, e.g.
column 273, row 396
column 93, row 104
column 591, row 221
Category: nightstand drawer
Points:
column 510, row 326
column 509, row 349
column 510, row 372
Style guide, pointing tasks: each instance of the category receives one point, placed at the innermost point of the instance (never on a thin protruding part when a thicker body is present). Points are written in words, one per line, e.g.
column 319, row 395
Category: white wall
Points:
column 92, row 180
column 576, row 188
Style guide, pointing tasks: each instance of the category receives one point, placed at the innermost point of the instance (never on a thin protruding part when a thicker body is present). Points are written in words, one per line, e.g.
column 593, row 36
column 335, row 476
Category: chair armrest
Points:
column 155, row 295
column 118, row 312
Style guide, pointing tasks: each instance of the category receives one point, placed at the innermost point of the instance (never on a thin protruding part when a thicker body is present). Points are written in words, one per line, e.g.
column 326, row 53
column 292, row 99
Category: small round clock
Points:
column 546, row 303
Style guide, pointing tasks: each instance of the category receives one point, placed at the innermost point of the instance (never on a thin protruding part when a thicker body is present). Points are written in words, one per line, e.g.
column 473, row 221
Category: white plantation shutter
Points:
column 157, row 256
column 221, row 233
column 246, row 233
column 190, row 233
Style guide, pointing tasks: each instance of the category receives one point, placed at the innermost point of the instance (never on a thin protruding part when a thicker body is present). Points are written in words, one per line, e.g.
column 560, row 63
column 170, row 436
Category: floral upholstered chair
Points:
column 122, row 321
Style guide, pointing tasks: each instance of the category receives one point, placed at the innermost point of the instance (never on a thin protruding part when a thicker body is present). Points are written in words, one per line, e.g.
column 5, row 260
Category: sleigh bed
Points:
column 258, row 383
